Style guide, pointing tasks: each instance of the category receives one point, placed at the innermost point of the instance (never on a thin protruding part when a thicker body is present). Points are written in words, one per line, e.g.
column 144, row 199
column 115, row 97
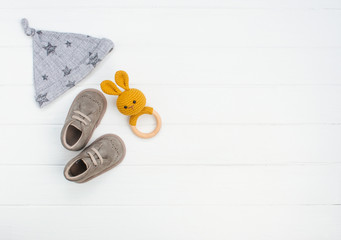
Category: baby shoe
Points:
column 102, row 155
column 85, row 114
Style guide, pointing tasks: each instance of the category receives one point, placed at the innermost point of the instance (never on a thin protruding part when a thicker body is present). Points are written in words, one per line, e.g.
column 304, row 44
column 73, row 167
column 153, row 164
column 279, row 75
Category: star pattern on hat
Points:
column 41, row 98
column 66, row 71
column 94, row 60
column 50, row 48
column 70, row 84
column 61, row 60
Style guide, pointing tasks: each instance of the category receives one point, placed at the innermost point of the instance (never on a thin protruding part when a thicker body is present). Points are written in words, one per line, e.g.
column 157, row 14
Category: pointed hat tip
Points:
column 28, row 31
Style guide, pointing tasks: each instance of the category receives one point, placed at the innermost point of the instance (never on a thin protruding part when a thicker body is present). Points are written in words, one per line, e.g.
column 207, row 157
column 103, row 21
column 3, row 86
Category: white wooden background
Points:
column 250, row 96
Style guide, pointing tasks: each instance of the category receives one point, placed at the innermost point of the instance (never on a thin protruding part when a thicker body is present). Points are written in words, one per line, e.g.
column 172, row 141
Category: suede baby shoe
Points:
column 102, row 155
column 85, row 114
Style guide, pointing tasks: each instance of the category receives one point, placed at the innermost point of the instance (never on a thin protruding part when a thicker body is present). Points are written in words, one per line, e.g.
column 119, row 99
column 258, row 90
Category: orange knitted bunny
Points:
column 130, row 102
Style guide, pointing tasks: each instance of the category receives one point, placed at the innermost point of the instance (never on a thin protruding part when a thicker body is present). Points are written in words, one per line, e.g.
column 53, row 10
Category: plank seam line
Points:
column 174, row 205
column 199, row 86
column 213, row 124
column 184, row 8
column 161, row 45
column 278, row 164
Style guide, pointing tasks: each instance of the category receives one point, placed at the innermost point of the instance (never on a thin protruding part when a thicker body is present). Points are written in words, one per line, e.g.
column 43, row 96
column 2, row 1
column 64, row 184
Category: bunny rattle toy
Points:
column 131, row 102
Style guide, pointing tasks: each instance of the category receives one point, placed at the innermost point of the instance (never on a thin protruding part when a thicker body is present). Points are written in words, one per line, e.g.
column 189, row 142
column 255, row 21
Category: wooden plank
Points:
column 178, row 222
column 250, row 98
column 179, row 27
column 194, row 105
column 174, row 185
column 189, row 66
column 186, row 145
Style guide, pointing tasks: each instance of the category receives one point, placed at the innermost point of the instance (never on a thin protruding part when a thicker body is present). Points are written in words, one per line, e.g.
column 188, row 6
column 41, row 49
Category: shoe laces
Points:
column 82, row 118
column 92, row 157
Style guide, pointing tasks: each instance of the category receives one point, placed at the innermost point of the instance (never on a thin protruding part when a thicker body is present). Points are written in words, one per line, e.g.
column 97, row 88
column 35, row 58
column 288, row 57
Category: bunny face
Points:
column 131, row 101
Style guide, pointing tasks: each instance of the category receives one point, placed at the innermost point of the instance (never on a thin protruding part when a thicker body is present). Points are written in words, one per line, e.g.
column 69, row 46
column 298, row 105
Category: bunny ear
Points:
column 110, row 88
column 122, row 79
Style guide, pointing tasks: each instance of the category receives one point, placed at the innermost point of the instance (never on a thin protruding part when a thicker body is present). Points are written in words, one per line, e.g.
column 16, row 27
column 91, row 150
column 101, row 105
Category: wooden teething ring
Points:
column 151, row 134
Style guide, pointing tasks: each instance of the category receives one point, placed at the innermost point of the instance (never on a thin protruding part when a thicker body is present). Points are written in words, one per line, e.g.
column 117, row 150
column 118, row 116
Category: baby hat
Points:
column 61, row 60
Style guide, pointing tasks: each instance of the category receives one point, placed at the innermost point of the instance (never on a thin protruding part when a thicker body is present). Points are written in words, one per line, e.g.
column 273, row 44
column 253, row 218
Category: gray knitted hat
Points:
column 61, row 60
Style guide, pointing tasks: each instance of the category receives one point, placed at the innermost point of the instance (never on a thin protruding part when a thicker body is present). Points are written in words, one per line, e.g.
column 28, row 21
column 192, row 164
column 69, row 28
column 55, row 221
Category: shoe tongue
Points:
column 78, row 124
column 101, row 151
column 88, row 161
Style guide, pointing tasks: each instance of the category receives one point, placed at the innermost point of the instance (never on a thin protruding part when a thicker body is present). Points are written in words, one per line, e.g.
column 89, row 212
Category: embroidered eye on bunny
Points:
column 130, row 102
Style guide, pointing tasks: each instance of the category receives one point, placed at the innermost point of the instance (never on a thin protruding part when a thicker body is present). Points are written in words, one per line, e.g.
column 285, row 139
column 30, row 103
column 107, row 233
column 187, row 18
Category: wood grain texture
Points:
column 175, row 185
column 198, row 145
column 196, row 105
column 192, row 66
column 173, row 222
column 183, row 27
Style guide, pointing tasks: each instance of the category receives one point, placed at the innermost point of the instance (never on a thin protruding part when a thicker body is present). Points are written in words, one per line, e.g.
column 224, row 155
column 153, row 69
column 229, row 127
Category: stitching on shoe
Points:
column 94, row 100
column 114, row 147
